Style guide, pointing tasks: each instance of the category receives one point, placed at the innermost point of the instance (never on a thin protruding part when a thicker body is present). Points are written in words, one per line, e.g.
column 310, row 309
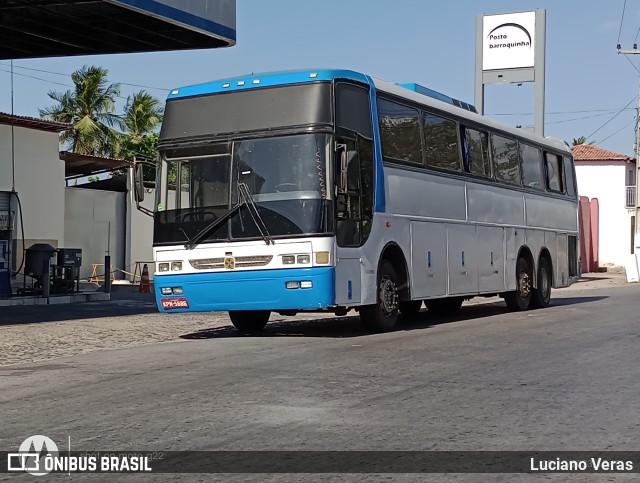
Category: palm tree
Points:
column 90, row 108
column 581, row 140
column 142, row 115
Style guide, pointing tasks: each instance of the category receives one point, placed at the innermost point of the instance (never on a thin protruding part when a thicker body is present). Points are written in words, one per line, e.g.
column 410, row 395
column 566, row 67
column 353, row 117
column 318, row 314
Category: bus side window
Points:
column 506, row 159
column 477, row 147
column 440, row 142
column 569, row 176
column 553, row 171
column 400, row 132
column 532, row 172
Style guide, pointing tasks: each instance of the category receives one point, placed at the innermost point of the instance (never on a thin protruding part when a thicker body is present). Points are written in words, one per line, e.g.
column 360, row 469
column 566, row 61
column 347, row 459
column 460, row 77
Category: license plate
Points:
column 180, row 303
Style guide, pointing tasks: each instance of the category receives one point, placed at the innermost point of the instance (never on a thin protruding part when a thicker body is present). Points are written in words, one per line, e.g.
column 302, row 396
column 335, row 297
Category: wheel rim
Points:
column 524, row 285
column 388, row 296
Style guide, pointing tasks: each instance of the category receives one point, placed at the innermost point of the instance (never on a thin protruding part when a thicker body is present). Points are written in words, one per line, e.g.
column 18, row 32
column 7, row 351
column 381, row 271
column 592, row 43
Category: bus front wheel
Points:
column 249, row 321
column 382, row 316
column 520, row 299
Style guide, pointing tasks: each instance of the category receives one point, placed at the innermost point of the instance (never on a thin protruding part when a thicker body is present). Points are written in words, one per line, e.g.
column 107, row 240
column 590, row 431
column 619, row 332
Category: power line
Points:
column 558, row 112
column 624, row 6
column 69, row 75
column 614, row 116
column 52, row 82
column 583, row 117
column 621, row 129
column 632, row 64
column 37, row 78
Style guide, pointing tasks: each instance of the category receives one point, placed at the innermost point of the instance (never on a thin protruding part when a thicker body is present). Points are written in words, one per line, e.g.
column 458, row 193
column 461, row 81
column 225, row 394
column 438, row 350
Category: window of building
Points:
column 400, row 132
column 532, row 172
column 506, row 164
column 441, row 142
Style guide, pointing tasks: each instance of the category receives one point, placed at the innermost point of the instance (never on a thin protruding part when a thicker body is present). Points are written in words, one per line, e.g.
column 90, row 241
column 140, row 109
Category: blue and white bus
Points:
column 331, row 190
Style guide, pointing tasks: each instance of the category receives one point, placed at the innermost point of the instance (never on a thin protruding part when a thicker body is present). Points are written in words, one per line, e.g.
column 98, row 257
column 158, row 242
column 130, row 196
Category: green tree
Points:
column 142, row 115
column 90, row 108
column 581, row 140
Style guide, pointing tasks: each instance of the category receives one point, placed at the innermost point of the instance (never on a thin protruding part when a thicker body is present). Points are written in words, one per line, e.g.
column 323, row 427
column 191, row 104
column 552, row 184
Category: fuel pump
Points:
column 6, row 219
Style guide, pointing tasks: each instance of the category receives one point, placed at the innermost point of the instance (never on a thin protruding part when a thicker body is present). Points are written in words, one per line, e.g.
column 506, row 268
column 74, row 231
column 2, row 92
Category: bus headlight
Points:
column 304, row 259
column 176, row 266
column 288, row 259
column 163, row 267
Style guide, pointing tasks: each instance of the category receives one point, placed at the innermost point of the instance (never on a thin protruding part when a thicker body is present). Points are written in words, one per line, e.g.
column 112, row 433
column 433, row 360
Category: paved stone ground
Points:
column 50, row 338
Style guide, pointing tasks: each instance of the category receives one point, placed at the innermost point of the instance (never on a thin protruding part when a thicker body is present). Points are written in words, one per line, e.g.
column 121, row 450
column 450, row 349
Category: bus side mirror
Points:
column 353, row 171
column 138, row 182
column 348, row 169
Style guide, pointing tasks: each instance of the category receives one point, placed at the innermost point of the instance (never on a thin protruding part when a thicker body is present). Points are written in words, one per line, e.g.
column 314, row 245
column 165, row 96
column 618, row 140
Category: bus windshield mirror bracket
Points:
column 341, row 150
column 138, row 186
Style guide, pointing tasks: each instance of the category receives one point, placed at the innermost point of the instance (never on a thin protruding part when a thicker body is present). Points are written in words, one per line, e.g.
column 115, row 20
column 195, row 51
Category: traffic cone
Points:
column 145, row 286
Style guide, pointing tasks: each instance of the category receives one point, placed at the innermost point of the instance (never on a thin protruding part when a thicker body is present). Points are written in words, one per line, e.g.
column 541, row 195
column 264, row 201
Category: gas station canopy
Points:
column 51, row 28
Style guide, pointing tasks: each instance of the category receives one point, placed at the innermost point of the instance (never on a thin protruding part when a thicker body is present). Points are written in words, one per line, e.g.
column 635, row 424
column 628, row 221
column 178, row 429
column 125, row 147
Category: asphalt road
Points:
column 561, row 378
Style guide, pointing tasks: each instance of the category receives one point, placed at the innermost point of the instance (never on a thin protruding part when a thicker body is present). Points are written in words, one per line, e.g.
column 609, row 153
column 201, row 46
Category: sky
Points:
column 591, row 90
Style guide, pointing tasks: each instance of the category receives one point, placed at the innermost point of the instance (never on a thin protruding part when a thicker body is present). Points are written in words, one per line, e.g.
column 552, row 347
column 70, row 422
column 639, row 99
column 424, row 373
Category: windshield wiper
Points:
column 245, row 198
column 198, row 237
column 249, row 200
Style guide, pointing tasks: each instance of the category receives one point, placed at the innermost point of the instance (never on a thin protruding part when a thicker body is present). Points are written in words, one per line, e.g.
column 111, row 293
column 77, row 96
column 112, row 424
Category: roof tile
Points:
column 588, row 152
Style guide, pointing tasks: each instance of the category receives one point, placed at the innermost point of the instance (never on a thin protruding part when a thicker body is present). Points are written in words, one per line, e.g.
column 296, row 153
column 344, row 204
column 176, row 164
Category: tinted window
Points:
column 476, row 152
column 569, row 176
column 506, row 165
column 441, row 142
column 247, row 110
column 352, row 108
column 532, row 174
column 399, row 132
column 553, row 168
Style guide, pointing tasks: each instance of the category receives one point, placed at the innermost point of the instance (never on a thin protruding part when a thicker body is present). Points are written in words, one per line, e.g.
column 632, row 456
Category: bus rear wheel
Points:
column 541, row 297
column 249, row 321
column 520, row 299
column 382, row 316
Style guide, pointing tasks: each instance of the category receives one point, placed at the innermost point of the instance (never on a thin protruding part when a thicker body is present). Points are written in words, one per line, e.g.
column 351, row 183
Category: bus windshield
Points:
column 286, row 177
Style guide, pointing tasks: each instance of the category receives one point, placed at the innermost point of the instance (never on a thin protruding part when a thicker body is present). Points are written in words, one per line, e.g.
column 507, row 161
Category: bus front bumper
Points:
column 247, row 290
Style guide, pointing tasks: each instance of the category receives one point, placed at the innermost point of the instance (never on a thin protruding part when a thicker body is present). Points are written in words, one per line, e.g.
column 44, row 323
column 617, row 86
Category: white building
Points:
column 609, row 177
column 30, row 163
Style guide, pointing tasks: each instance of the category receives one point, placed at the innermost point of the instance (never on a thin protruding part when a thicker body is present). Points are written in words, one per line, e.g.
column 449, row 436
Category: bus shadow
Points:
column 350, row 326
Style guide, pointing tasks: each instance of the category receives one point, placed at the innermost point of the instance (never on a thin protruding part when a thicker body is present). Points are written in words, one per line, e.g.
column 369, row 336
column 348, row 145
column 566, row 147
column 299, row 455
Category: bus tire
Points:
column 444, row 306
column 382, row 316
column 249, row 321
column 410, row 307
column 541, row 297
column 520, row 299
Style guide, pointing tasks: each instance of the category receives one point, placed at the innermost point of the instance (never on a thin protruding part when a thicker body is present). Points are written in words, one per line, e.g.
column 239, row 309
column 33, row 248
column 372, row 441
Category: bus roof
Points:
column 413, row 92
column 267, row 79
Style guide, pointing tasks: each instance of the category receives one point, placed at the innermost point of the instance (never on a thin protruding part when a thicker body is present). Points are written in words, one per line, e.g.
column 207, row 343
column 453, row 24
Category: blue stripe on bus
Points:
column 379, row 199
column 266, row 80
column 250, row 290
column 183, row 17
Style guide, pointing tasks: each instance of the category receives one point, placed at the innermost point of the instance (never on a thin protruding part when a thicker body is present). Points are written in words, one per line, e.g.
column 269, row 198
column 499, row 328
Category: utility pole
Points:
column 636, row 238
